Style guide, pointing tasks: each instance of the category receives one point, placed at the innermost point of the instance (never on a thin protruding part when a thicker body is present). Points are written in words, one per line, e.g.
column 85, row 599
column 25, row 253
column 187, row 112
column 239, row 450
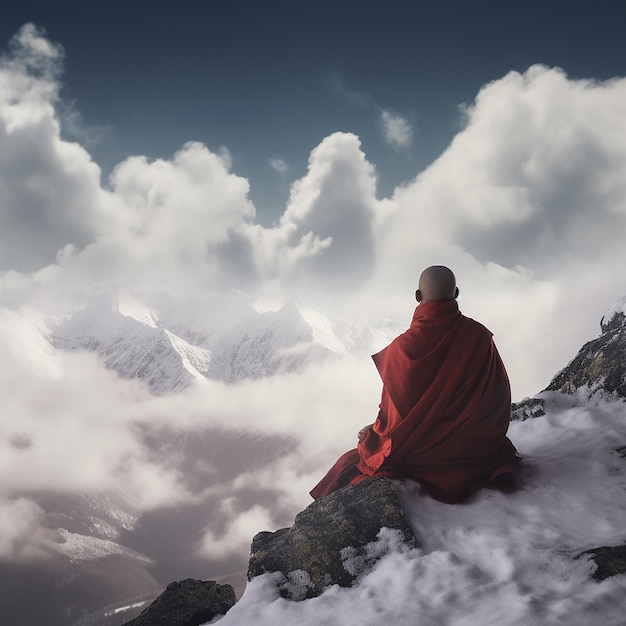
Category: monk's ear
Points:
column 418, row 295
column 456, row 293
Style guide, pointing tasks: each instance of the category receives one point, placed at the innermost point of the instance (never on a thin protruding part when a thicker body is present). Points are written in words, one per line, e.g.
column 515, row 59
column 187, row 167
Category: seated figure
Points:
column 445, row 406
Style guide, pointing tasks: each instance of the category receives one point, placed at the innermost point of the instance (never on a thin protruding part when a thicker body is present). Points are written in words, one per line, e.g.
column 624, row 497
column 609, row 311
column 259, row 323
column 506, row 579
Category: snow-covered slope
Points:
column 500, row 559
column 134, row 348
column 86, row 567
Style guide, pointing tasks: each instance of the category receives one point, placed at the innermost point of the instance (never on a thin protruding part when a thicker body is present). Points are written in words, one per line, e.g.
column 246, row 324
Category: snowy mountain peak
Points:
column 133, row 308
column 615, row 316
column 263, row 304
column 171, row 345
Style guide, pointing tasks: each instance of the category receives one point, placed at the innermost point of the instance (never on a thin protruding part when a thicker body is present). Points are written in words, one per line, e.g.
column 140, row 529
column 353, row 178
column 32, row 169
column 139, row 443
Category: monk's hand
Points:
column 363, row 432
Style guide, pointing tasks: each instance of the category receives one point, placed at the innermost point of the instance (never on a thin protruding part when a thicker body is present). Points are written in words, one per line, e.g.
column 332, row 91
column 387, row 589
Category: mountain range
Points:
column 172, row 345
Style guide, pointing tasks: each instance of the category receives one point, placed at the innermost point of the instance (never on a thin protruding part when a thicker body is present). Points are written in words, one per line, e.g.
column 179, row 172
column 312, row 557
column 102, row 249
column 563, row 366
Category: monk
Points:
column 445, row 406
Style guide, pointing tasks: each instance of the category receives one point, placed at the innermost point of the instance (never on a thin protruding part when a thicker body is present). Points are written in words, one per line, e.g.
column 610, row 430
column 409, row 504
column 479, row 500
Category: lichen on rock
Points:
column 334, row 540
column 600, row 365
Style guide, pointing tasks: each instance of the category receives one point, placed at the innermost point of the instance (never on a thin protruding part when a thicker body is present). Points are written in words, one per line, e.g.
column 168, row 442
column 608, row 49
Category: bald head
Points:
column 437, row 282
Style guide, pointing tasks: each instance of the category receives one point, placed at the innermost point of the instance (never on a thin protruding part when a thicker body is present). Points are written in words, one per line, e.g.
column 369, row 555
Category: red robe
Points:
column 444, row 411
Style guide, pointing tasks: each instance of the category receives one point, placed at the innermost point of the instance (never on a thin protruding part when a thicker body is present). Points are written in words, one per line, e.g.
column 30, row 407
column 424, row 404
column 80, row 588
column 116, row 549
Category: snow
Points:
column 323, row 331
column 80, row 547
column 131, row 307
column 30, row 335
column 263, row 304
column 123, row 609
column 171, row 346
column 129, row 341
column 611, row 312
column 501, row 558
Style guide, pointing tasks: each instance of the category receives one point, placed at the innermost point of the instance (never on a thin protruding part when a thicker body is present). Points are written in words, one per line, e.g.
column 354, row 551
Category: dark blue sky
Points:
column 272, row 79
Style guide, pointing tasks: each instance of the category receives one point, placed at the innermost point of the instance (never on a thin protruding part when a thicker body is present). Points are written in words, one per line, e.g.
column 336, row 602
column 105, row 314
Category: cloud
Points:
column 363, row 100
column 544, row 168
column 182, row 217
column 185, row 222
column 280, row 166
column 40, row 424
column 50, row 188
column 397, row 130
column 22, row 535
column 241, row 527
column 326, row 230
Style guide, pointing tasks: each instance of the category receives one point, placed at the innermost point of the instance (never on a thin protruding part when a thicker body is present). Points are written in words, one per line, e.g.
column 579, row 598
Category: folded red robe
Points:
column 444, row 411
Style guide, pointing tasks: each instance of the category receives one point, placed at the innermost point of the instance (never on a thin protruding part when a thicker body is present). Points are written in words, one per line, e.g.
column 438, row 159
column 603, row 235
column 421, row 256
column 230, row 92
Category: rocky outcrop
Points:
column 187, row 603
column 334, row 540
column 600, row 366
column 610, row 561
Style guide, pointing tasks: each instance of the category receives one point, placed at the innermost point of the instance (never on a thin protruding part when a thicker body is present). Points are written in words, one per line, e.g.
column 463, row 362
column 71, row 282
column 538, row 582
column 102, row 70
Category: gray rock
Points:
column 610, row 561
column 328, row 542
column 187, row 603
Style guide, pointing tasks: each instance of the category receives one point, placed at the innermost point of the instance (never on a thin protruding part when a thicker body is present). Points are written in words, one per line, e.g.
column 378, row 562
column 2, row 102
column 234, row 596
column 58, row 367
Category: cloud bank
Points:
column 527, row 205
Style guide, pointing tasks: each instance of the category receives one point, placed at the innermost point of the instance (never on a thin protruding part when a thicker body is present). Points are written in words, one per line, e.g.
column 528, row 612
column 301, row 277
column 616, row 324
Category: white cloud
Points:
column 329, row 218
column 338, row 85
column 279, row 165
column 184, row 218
column 49, row 189
column 22, row 535
column 241, row 527
column 397, row 130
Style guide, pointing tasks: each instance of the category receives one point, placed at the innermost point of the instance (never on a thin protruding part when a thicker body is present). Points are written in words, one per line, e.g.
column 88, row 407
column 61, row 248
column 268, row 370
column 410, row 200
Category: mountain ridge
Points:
column 169, row 352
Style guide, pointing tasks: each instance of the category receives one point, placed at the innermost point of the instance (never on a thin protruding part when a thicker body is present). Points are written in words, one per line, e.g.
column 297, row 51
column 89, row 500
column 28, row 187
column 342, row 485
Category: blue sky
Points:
column 270, row 80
